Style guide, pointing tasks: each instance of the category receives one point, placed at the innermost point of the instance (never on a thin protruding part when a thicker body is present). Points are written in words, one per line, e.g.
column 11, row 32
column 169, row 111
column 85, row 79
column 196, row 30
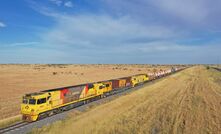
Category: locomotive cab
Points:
column 33, row 104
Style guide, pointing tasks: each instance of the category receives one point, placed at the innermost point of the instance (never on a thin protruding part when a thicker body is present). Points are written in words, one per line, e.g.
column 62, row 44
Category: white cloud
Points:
column 20, row 44
column 161, row 46
column 105, row 38
column 194, row 13
column 68, row 4
column 96, row 31
column 57, row 2
column 189, row 10
column 2, row 24
column 62, row 3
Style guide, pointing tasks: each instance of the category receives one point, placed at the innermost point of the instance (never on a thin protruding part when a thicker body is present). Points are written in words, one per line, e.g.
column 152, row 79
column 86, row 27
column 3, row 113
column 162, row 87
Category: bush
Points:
column 54, row 73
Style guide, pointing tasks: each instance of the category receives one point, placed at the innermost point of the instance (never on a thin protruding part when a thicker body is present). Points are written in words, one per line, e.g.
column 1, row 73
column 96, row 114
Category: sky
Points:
column 110, row 31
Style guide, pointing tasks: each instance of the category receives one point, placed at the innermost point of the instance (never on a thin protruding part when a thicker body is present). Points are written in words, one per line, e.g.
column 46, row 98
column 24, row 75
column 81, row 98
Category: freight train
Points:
column 36, row 106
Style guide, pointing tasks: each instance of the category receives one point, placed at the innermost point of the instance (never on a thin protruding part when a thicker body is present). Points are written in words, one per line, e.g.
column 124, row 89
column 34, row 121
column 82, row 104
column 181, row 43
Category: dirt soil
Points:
column 188, row 102
column 17, row 80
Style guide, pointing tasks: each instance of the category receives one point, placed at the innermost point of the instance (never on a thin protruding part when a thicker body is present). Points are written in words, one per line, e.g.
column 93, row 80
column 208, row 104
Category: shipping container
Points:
column 122, row 83
column 115, row 84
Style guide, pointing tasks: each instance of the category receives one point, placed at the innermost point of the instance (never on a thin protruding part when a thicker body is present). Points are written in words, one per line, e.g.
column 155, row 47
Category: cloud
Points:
column 57, row 2
column 19, row 44
column 96, row 31
column 62, row 3
column 188, row 13
column 106, row 39
column 68, row 4
column 24, row 54
column 2, row 24
column 127, row 38
column 188, row 10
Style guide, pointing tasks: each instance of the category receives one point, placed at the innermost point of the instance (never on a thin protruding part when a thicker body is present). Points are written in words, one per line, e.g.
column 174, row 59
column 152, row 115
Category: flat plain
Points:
column 187, row 102
column 17, row 80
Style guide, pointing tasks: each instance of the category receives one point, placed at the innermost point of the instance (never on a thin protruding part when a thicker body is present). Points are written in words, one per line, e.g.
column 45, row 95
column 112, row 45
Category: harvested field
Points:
column 17, row 80
column 188, row 102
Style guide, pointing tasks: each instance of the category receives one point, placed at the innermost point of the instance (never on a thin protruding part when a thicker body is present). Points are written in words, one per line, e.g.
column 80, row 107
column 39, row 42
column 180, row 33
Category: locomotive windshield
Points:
column 25, row 101
column 32, row 101
column 29, row 101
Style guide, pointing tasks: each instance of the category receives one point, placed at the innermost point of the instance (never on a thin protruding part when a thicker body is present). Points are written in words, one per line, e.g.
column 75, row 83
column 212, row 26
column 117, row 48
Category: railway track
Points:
column 218, row 69
column 12, row 128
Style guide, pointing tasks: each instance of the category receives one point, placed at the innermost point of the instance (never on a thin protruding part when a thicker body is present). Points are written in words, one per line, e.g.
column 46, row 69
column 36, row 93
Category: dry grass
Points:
column 9, row 121
column 17, row 80
column 187, row 102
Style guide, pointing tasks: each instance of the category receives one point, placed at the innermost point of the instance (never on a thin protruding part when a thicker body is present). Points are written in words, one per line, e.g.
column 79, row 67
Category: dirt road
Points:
column 187, row 102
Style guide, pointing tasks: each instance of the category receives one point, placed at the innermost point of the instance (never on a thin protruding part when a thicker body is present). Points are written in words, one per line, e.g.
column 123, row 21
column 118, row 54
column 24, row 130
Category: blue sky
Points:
column 110, row 31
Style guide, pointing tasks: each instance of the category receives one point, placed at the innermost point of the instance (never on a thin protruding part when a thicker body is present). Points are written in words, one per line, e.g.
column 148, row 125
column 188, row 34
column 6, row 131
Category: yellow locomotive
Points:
column 48, row 102
column 139, row 79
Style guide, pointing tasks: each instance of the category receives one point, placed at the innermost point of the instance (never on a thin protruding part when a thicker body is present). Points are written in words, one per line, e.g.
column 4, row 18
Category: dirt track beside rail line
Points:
column 187, row 102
